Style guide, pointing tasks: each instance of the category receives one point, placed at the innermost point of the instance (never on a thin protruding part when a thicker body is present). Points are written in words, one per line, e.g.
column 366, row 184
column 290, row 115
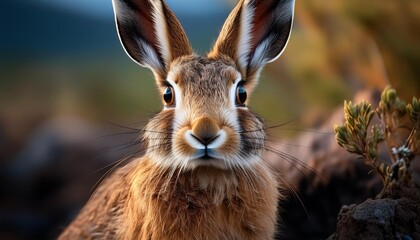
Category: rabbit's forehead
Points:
column 203, row 75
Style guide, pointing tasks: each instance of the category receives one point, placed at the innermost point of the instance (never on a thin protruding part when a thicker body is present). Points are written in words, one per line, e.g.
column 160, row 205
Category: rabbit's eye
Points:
column 169, row 96
column 240, row 95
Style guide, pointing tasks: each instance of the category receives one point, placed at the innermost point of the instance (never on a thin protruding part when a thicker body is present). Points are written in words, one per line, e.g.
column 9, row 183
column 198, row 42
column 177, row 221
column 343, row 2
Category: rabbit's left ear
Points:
column 255, row 33
column 150, row 33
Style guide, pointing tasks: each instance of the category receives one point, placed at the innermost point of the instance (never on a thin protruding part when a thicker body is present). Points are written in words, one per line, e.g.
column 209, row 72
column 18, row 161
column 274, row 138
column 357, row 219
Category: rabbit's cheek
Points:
column 231, row 144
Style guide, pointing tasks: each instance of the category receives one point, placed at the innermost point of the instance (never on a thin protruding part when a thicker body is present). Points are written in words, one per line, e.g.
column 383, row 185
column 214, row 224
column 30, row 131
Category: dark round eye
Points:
column 169, row 96
column 240, row 95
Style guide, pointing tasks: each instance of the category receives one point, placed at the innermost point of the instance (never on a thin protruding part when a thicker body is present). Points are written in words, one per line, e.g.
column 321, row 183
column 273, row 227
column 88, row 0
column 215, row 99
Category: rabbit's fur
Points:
column 202, row 176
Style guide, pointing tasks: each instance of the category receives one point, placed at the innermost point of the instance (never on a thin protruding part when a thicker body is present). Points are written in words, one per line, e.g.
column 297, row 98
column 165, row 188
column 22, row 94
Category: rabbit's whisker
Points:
column 122, row 126
column 101, row 179
column 294, row 162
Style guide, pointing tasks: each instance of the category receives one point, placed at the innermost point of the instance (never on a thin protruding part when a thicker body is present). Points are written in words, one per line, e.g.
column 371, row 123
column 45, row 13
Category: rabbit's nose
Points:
column 205, row 130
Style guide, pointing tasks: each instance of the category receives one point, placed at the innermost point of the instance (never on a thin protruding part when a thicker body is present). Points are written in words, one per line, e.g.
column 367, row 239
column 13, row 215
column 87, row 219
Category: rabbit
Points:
column 202, row 176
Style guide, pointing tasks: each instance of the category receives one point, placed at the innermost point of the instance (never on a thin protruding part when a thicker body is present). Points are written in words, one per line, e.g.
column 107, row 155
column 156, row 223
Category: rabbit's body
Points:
column 202, row 176
column 139, row 202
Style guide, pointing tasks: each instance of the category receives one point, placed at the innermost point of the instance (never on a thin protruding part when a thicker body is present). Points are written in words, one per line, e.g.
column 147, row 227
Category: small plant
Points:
column 396, row 120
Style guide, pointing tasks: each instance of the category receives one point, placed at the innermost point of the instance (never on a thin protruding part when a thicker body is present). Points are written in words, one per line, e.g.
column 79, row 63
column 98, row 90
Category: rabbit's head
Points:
column 205, row 120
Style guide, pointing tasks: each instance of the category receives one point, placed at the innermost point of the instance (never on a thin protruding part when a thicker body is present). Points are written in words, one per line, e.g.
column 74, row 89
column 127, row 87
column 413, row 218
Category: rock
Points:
column 380, row 211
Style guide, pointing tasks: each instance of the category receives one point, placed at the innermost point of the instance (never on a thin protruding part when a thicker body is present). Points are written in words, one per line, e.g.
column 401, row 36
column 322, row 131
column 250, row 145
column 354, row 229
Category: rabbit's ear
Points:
column 150, row 33
column 255, row 33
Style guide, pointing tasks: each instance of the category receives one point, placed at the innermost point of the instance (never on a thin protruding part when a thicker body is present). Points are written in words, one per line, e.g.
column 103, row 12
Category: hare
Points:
column 202, row 176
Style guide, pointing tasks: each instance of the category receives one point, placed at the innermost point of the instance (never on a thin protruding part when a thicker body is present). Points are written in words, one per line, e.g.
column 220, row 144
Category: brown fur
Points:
column 145, row 201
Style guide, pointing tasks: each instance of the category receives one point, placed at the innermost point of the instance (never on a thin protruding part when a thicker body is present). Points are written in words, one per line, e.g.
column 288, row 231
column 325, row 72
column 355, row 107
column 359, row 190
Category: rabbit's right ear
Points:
column 255, row 33
column 150, row 33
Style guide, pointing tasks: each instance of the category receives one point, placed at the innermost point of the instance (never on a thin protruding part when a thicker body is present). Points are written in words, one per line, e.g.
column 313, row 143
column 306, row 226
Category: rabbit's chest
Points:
column 192, row 215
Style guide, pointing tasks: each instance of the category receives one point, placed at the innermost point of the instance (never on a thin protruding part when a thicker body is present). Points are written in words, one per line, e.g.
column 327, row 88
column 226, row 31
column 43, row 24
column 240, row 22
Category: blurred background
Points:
column 72, row 102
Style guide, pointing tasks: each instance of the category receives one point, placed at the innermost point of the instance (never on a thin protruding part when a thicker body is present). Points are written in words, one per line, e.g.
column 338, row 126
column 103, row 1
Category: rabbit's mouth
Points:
column 206, row 148
column 206, row 154
column 206, row 157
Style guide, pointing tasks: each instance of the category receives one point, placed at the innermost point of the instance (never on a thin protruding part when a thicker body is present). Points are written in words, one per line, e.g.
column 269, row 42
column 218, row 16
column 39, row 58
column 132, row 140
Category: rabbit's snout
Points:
column 205, row 134
column 205, row 130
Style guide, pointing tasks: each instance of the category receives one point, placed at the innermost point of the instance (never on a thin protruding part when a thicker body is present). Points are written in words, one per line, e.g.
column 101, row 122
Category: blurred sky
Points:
column 46, row 28
column 102, row 8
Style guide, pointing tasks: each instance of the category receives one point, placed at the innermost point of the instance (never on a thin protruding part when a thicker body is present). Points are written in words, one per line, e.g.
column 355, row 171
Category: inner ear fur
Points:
column 150, row 33
column 255, row 33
